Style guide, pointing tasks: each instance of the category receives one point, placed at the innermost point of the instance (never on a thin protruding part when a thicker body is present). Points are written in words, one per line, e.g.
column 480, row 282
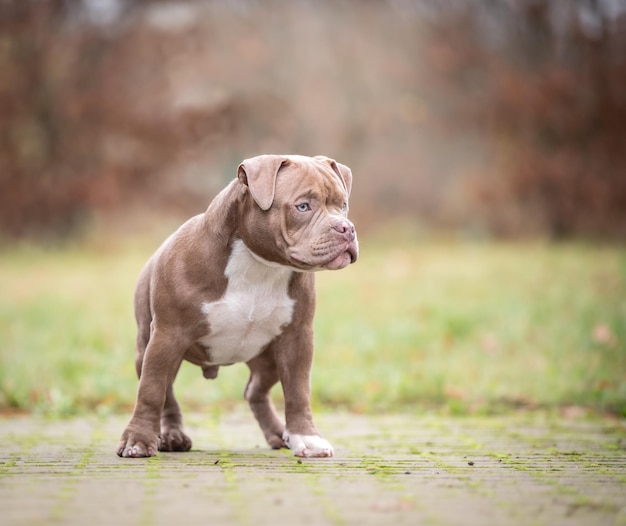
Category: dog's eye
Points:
column 303, row 207
column 344, row 208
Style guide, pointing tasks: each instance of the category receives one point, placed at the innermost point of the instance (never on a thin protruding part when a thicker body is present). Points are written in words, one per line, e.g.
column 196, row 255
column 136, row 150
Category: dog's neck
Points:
column 244, row 262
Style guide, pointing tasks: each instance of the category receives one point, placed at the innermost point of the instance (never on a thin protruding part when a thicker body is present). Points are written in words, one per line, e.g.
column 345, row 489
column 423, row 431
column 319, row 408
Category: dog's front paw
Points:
column 136, row 444
column 173, row 439
column 308, row 445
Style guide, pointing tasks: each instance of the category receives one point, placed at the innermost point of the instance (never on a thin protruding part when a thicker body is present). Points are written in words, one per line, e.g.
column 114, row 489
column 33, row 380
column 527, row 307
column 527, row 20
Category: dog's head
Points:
column 297, row 211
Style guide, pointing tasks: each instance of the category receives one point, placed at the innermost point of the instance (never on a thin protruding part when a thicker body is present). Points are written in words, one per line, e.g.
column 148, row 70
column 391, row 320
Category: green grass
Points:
column 412, row 326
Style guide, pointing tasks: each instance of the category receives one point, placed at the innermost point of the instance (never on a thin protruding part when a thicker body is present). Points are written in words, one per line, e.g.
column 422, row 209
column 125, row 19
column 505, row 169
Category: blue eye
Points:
column 303, row 207
column 344, row 207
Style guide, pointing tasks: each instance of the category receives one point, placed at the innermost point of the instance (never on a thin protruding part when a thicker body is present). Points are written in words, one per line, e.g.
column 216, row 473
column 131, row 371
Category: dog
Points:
column 237, row 284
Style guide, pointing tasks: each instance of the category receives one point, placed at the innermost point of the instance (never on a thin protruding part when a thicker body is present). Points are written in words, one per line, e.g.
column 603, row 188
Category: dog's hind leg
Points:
column 172, row 436
column 263, row 376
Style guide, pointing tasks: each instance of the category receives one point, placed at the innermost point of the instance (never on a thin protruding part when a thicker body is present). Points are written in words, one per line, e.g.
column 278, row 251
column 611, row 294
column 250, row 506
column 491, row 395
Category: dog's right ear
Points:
column 259, row 175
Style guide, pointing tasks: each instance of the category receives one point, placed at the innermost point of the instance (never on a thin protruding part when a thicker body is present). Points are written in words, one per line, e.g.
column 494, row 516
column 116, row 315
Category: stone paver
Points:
column 528, row 469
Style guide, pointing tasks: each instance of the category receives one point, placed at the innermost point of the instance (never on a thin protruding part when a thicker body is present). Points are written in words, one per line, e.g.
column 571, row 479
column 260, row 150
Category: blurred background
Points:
column 488, row 117
column 487, row 139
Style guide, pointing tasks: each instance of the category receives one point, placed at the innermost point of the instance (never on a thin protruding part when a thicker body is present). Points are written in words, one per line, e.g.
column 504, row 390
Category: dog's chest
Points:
column 252, row 312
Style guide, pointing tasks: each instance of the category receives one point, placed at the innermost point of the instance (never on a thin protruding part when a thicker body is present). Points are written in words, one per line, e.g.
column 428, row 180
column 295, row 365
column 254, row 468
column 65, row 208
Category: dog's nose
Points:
column 344, row 227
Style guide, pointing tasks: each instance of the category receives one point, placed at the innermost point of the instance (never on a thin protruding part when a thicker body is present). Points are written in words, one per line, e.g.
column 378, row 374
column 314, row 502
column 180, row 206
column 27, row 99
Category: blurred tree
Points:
column 506, row 116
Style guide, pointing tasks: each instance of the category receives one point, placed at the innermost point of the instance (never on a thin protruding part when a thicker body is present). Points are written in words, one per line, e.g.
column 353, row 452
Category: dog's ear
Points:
column 259, row 175
column 344, row 173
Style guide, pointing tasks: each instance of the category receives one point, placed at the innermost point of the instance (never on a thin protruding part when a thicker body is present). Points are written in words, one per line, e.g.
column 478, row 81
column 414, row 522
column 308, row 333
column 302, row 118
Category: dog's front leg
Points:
column 294, row 357
column 160, row 363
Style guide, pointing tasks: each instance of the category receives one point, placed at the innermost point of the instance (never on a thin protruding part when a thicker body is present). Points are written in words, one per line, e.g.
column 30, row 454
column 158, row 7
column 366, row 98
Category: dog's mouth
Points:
column 342, row 257
column 353, row 251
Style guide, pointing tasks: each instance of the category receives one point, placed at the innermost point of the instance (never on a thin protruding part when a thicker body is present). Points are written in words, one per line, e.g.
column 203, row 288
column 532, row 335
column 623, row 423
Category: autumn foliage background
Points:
column 479, row 132
column 490, row 118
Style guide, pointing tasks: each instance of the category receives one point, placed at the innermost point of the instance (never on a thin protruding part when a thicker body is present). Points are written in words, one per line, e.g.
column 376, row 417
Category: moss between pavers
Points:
column 395, row 468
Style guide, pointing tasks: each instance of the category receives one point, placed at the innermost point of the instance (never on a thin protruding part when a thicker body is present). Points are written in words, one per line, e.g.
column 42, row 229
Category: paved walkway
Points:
column 388, row 470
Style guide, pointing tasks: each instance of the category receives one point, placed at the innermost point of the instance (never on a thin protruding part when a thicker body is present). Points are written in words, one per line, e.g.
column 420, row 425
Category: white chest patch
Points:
column 252, row 311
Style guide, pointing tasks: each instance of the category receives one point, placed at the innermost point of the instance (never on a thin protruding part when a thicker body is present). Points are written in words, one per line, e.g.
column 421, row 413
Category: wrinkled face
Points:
column 308, row 218
column 315, row 217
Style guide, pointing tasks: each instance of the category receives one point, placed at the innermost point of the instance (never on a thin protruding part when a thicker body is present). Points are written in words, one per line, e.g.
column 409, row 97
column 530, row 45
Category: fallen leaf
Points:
column 603, row 335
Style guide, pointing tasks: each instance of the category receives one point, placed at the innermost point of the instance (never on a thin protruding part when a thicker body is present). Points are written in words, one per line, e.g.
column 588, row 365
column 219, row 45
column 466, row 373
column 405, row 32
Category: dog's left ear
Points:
column 341, row 170
column 259, row 175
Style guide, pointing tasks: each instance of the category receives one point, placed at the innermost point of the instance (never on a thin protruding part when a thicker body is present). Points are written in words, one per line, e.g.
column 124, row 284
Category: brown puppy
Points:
column 236, row 284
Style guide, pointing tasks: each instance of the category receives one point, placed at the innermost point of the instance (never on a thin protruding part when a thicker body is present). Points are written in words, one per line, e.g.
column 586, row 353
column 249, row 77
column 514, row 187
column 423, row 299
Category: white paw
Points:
column 308, row 445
